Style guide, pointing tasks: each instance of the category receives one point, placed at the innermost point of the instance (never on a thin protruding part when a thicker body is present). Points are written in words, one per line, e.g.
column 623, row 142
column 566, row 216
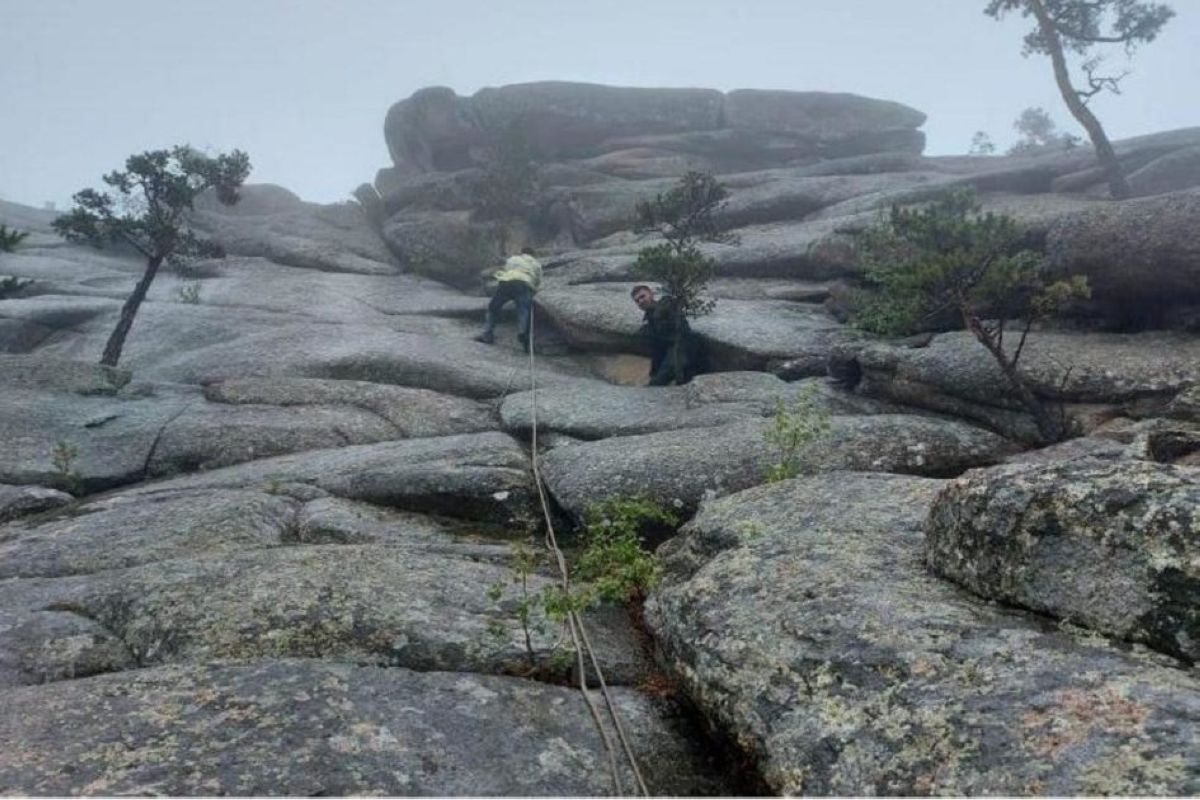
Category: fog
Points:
column 303, row 85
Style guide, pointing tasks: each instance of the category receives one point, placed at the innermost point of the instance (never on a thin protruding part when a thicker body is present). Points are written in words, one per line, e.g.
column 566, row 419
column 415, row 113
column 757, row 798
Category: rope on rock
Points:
column 579, row 637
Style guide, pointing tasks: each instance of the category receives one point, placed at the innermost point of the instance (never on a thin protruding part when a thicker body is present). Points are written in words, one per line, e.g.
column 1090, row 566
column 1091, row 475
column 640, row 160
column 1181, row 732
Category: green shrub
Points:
column 613, row 558
column 792, row 428
column 612, row 566
column 9, row 239
column 11, row 286
column 948, row 258
column 63, row 458
column 684, row 216
column 189, row 293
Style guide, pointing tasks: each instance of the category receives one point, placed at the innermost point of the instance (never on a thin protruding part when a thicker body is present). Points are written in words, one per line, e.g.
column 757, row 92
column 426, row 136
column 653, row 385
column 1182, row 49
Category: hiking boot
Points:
column 486, row 338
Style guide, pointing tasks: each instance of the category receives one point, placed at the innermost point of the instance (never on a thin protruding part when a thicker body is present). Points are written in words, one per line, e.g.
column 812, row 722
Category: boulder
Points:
column 604, row 410
column 433, row 191
column 43, row 646
column 209, row 435
column 786, row 195
column 804, row 624
column 954, row 374
column 823, row 115
column 595, row 210
column 20, row 501
column 29, row 322
column 1139, row 256
column 263, row 285
column 184, row 344
column 307, row 728
column 482, row 477
column 254, row 200
column 326, row 519
column 121, row 531
column 40, row 373
column 79, row 443
column 711, row 400
column 1112, row 546
column 1186, row 404
column 437, row 130
column 765, row 335
column 445, row 245
column 415, row 607
column 413, row 412
column 682, row 467
column 333, row 238
column 1176, row 170
column 737, row 334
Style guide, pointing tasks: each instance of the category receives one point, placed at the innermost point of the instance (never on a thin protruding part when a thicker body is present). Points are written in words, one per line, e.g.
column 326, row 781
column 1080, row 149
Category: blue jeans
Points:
column 518, row 292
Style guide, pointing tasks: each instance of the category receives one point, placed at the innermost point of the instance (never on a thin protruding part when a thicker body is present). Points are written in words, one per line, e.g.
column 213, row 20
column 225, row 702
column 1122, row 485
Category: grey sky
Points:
column 303, row 85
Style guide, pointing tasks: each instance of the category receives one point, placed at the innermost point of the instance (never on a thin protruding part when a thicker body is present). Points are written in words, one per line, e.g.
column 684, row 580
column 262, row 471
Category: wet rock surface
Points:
column 217, row 730
column 257, row 557
column 802, row 617
column 1142, row 372
column 682, row 467
column 19, row 501
column 1111, row 546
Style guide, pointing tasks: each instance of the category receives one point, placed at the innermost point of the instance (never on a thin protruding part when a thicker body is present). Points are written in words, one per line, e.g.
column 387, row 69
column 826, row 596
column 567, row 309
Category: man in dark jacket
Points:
column 665, row 330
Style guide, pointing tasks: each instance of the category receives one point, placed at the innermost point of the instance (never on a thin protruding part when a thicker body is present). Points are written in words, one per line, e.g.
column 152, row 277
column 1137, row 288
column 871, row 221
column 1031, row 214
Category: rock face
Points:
column 802, row 619
column 1111, row 546
column 18, row 501
column 271, row 222
column 435, row 130
column 351, row 730
column 760, row 334
column 680, row 468
column 277, row 549
column 1136, row 253
column 953, row 374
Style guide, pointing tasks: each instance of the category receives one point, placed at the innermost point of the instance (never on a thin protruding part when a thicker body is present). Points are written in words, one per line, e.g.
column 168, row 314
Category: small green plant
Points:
column 532, row 610
column 9, row 239
column 11, row 286
column 63, row 458
column 613, row 558
column 189, row 293
column 613, row 566
column 792, row 428
column 751, row 528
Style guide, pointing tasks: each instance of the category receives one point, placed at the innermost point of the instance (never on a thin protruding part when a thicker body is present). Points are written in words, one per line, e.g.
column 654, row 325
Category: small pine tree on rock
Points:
column 147, row 212
column 684, row 216
column 947, row 256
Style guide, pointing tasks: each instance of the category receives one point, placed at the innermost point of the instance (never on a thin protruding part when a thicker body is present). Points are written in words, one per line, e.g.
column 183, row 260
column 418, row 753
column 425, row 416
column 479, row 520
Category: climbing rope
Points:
column 579, row 637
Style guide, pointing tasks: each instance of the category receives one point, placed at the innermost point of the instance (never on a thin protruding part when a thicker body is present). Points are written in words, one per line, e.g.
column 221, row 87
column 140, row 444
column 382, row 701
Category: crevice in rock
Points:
column 159, row 435
column 733, row 763
column 82, row 611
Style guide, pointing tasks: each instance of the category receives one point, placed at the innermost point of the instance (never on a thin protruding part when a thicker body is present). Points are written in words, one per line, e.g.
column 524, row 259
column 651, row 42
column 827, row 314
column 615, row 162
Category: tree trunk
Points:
column 1117, row 185
column 1048, row 427
column 116, row 341
column 677, row 348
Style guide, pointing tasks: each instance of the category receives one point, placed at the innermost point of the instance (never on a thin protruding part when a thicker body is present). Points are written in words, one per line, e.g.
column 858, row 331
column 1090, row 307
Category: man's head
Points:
column 643, row 295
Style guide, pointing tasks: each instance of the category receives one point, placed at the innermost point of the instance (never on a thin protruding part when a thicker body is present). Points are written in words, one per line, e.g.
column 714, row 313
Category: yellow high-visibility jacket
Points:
column 526, row 269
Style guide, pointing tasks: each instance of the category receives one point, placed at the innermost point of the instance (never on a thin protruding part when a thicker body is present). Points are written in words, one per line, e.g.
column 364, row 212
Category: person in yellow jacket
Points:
column 519, row 279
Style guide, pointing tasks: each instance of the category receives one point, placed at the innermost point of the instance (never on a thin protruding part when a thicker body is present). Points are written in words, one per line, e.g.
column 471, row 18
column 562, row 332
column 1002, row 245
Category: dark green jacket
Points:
column 659, row 330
